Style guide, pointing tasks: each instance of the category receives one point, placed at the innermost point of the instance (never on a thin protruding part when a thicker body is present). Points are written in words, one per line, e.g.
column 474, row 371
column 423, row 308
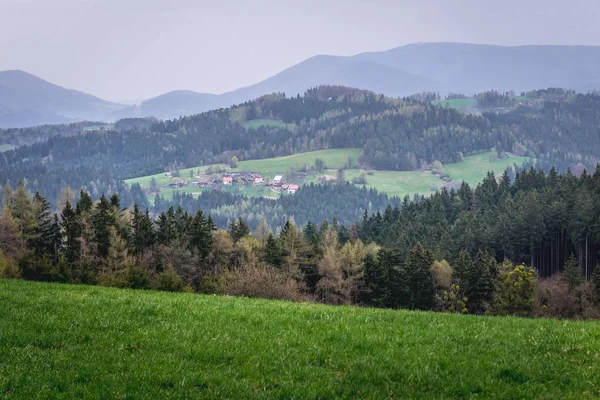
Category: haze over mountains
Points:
column 444, row 67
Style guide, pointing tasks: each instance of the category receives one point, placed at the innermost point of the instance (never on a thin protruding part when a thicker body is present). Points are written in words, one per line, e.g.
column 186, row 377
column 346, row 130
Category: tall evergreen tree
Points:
column 72, row 233
column 421, row 282
column 102, row 223
column 376, row 288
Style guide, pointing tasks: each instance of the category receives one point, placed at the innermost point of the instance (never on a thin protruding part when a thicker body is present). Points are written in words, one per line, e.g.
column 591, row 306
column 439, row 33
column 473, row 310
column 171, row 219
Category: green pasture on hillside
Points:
column 7, row 147
column 257, row 123
column 395, row 183
column 334, row 158
column 474, row 168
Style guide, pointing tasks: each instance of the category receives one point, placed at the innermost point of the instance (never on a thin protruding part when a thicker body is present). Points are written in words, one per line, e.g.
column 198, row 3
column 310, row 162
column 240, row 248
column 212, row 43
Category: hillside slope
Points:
column 82, row 341
column 26, row 100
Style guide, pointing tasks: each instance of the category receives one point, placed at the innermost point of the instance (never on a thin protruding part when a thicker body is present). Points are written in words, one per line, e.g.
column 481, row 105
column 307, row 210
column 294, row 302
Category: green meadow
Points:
column 334, row 158
column 257, row 123
column 474, row 168
column 69, row 341
column 7, row 147
column 458, row 104
column 395, row 183
column 99, row 127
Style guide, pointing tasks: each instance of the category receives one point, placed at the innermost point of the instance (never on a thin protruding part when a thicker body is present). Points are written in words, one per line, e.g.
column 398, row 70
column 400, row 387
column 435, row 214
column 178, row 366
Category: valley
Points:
column 299, row 169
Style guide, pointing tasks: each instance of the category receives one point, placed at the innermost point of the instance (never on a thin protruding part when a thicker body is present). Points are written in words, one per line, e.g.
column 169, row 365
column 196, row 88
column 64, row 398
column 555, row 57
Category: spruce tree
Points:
column 115, row 201
column 84, row 204
column 239, row 229
column 201, row 235
column 273, row 254
column 421, row 282
column 102, row 223
column 572, row 274
column 41, row 237
column 143, row 235
column 23, row 212
column 72, row 232
column 376, row 288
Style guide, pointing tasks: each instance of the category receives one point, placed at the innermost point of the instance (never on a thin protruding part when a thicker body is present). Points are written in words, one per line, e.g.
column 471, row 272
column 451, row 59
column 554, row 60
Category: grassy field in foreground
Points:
column 67, row 341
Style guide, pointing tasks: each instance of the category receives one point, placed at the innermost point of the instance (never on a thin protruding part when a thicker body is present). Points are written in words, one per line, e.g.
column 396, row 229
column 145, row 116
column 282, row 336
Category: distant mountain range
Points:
column 443, row 67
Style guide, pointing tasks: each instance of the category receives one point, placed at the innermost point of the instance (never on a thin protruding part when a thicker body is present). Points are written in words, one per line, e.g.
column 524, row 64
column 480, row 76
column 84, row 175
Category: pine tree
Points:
column 102, row 223
column 166, row 227
column 376, row 287
column 201, row 235
column 7, row 194
column 115, row 201
column 262, row 231
column 394, row 262
column 421, row 282
column 239, row 229
column 481, row 282
column 56, row 238
column 463, row 268
column 272, row 253
column 572, row 274
column 23, row 211
column 41, row 237
column 85, row 203
column 331, row 287
column 143, row 235
column 72, row 233
column 311, row 233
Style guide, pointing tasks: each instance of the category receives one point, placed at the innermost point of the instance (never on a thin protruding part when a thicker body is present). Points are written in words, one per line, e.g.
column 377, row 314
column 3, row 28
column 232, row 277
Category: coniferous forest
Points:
column 555, row 127
column 525, row 242
column 525, row 246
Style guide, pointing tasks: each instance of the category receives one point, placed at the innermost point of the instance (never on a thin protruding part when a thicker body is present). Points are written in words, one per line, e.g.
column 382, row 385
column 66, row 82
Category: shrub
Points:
column 516, row 291
column 442, row 272
column 452, row 300
column 8, row 268
column 168, row 281
column 554, row 298
column 137, row 278
column 39, row 269
column 360, row 179
column 261, row 281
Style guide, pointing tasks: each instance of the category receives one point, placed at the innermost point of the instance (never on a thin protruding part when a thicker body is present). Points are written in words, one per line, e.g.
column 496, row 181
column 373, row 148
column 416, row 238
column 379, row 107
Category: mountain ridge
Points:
column 441, row 67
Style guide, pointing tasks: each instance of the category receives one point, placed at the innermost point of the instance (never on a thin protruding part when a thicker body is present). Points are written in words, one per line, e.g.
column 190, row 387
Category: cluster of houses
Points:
column 241, row 178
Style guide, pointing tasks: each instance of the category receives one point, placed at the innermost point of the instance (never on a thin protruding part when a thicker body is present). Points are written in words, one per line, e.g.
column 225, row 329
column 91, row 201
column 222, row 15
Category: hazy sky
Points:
column 134, row 49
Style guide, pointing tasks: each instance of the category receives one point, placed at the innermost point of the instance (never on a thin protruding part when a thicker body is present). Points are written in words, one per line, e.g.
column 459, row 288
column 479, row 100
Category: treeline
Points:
column 394, row 135
column 103, row 243
column 343, row 202
column 539, row 219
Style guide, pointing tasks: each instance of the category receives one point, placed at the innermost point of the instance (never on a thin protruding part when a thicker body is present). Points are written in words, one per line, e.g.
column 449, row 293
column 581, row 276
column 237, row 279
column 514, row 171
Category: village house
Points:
column 292, row 188
column 227, row 180
column 257, row 178
column 202, row 183
column 277, row 180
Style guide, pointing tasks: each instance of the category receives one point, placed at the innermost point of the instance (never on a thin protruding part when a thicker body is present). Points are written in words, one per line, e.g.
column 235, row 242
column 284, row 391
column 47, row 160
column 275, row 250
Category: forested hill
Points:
column 394, row 134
